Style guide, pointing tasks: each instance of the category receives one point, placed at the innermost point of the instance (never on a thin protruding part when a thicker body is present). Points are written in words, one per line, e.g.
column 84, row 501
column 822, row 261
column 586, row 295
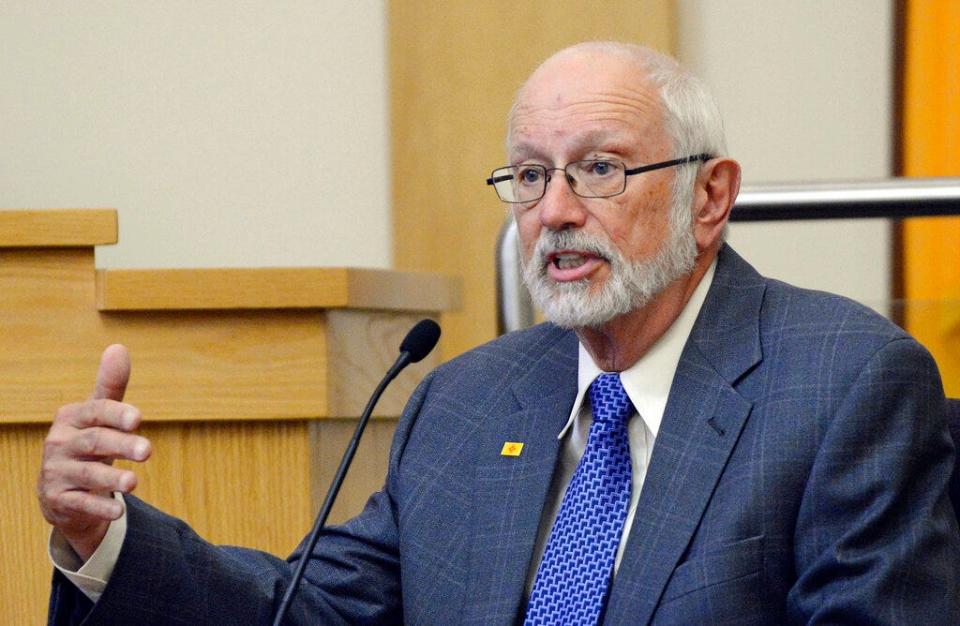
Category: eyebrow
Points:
column 593, row 138
column 523, row 151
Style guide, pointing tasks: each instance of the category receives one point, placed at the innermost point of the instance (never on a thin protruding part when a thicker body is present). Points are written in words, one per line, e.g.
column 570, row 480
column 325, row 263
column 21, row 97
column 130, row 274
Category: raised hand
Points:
column 76, row 478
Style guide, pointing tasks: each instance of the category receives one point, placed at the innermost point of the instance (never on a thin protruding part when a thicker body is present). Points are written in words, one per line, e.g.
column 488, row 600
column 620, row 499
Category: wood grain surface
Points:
column 274, row 288
column 25, row 585
column 197, row 365
column 363, row 344
column 57, row 227
column 233, row 364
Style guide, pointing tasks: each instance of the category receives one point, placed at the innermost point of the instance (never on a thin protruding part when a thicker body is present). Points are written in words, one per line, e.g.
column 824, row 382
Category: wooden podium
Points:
column 250, row 381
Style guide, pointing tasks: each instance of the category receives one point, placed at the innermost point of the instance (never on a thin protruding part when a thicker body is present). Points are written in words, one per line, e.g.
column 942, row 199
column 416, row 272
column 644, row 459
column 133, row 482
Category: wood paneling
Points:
column 25, row 585
column 237, row 484
column 50, row 335
column 232, row 363
column 215, row 365
column 187, row 365
column 454, row 68
column 329, row 439
column 355, row 340
column 58, row 227
column 248, row 408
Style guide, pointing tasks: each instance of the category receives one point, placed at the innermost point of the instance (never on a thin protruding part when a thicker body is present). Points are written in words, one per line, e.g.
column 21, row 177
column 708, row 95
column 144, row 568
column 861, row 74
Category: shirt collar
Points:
column 647, row 382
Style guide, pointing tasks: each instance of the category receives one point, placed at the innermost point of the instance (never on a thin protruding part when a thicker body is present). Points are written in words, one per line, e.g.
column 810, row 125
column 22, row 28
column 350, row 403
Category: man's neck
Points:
column 622, row 341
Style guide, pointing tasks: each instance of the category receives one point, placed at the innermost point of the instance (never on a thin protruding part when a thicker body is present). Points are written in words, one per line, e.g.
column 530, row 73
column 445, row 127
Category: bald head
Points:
column 636, row 62
column 687, row 111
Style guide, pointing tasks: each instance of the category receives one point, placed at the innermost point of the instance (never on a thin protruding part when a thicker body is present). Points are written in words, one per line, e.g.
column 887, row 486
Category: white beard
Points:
column 630, row 285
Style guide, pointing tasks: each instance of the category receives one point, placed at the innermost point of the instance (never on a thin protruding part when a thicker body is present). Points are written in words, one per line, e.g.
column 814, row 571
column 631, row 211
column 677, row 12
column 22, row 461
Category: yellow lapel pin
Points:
column 511, row 448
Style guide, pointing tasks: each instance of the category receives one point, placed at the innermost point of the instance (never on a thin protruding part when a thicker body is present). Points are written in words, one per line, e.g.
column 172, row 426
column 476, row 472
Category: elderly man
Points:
column 701, row 445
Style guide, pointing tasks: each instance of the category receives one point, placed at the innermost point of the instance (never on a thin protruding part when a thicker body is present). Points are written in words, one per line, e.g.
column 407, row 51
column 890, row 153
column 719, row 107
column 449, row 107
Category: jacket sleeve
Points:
column 167, row 574
column 876, row 538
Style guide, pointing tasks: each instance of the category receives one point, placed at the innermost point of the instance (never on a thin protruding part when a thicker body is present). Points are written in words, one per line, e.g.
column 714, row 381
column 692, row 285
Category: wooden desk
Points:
column 249, row 380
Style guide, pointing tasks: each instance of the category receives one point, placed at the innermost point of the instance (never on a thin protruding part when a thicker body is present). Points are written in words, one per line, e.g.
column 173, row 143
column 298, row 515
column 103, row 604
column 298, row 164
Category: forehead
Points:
column 582, row 101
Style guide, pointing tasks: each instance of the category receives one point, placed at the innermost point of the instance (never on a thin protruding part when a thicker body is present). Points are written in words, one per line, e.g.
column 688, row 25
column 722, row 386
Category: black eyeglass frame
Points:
column 493, row 180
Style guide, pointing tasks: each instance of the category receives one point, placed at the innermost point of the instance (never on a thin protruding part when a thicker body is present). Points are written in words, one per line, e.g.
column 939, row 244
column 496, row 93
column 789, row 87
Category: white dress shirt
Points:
column 647, row 382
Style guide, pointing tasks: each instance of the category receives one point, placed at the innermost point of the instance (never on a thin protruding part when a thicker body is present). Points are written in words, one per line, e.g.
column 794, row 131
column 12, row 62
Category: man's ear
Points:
column 718, row 184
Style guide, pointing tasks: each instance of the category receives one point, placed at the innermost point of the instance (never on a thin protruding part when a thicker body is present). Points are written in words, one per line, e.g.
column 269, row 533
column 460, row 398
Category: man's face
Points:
column 588, row 260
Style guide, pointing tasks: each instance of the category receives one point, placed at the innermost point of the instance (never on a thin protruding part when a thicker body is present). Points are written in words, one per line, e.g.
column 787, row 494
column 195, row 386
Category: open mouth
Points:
column 569, row 265
column 568, row 260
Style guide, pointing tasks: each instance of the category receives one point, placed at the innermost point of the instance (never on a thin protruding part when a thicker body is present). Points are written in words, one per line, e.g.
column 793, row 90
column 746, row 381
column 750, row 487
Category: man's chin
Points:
column 585, row 303
column 574, row 312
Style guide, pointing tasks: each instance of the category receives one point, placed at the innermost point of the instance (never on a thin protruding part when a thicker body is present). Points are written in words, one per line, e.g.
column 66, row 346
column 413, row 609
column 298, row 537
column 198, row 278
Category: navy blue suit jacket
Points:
column 799, row 476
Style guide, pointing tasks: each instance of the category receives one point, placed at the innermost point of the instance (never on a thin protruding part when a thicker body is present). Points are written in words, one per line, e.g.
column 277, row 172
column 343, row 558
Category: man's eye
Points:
column 601, row 168
column 530, row 175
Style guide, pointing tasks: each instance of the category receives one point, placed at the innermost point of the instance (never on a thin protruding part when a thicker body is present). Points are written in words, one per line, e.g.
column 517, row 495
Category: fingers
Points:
column 113, row 374
column 76, row 478
column 105, row 444
column 109, row 413
column 74, row 512
column 76, row 495
column 82, row 433
column 105, row 508
column 66, row 477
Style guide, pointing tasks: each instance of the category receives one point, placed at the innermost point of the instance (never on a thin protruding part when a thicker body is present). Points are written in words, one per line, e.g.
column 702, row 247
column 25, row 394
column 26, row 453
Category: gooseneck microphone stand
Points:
column 415, row 346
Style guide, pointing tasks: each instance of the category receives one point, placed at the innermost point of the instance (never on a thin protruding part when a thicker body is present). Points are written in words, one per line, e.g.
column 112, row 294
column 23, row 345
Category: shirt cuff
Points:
column 91, row 577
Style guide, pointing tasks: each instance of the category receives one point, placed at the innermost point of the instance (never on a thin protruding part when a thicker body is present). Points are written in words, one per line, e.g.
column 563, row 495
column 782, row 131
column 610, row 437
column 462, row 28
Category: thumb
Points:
column 113, row 374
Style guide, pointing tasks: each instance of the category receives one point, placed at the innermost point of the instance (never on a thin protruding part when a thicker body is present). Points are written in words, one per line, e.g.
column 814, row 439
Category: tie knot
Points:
column 609, row 400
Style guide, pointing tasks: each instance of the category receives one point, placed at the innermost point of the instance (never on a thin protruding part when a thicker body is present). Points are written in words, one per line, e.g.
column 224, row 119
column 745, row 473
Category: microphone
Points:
column 420, row 340
column 418, row 343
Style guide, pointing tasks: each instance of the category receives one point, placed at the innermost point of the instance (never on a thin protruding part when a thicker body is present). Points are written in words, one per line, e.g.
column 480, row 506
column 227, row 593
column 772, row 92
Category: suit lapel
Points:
column 701, row 424
column 509, row 491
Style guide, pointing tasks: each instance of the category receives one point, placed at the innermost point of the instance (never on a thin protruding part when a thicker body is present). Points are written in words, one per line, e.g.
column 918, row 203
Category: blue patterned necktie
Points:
column 577, row 567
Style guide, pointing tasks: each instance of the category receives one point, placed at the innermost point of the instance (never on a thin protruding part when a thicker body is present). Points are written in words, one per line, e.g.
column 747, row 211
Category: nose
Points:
column 560, row 208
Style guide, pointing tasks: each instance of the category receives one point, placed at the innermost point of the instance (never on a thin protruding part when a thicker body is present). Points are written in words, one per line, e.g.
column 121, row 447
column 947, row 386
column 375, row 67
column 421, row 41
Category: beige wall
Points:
column 227, row 133
column 806, row 93
column 232, row 133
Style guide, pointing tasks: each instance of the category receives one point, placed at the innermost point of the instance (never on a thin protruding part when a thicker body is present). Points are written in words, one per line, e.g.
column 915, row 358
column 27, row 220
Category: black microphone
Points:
column 418, row 343
column 420, row 340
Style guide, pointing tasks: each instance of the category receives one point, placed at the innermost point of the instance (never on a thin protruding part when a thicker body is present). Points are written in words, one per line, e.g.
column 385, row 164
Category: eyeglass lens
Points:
column 589, row 179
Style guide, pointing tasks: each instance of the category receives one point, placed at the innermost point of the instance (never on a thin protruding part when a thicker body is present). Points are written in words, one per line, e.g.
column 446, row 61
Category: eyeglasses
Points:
column 595, row 178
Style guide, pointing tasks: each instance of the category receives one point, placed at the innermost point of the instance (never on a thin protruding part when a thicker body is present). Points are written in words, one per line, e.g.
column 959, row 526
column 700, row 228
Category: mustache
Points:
column 551, row 242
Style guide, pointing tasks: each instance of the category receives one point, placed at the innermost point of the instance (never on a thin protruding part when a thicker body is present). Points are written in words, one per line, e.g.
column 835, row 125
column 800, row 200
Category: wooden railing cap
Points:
column 57, row 228
column 275, row 288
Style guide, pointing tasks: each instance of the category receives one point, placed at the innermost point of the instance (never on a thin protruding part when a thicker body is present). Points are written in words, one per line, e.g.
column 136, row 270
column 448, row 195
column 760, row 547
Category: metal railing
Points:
column 895, row 198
